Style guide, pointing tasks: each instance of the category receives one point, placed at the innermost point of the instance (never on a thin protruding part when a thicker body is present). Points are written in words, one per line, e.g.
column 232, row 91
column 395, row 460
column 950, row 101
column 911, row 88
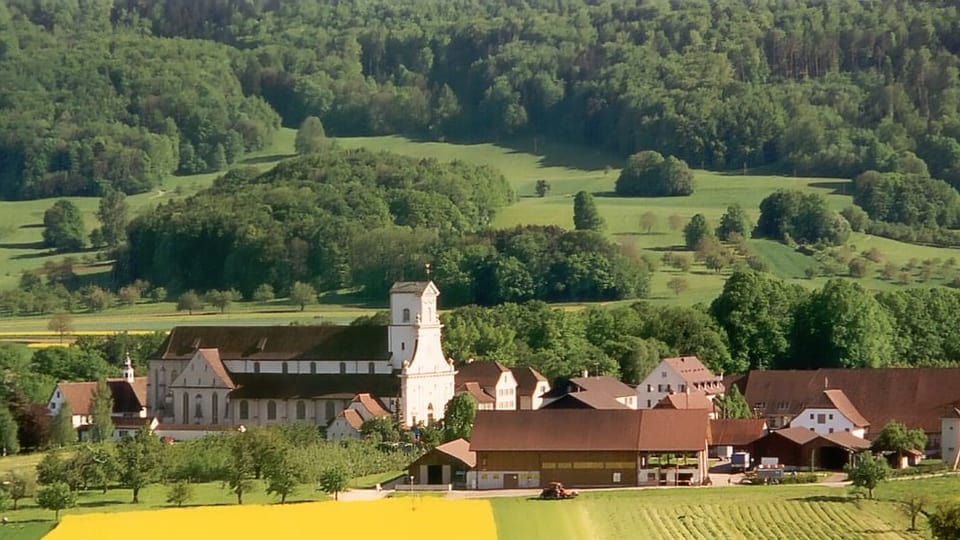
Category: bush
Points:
column 649, row 174
column 800, row 478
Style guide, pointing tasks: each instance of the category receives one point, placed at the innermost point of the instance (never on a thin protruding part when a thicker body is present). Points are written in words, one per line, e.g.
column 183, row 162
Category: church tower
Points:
column 128, row 374
column 426, row 376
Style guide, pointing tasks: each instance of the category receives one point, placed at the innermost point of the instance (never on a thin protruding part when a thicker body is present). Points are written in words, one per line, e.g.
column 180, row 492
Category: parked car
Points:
column 556, row 491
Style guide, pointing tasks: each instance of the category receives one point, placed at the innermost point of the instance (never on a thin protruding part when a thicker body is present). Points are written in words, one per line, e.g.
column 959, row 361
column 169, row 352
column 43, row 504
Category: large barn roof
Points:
column 325, row 342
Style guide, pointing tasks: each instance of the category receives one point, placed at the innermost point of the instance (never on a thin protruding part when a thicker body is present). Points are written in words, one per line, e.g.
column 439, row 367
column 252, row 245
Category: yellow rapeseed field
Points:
column 421, row 518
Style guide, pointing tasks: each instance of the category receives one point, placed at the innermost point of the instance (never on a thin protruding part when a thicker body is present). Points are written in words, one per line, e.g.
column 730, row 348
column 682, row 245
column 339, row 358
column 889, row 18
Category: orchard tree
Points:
column 696, row 231
column 302, row 294
column 240, row 474
column 179, row 492
column 189, row 301
column 733, row 221
column 61, row 323
column 9, row 441
column 648, row 220
column 896, row 438
column 334, row 480
column 63, row 226
column 311, row 136
column 222, row 299
column 281, row 473
column 867, row 471
column 458, row 417
column 678, row 285
column 19, row 485
column 56, row 497
column 542, row 188
column 586, row 217
column 140, row 461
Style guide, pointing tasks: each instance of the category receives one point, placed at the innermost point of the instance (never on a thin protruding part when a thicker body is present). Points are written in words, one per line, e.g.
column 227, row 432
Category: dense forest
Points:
column 120, row 92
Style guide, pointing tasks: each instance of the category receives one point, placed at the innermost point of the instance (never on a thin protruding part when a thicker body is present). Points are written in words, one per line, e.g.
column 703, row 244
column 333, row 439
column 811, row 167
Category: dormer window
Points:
column 406, row 315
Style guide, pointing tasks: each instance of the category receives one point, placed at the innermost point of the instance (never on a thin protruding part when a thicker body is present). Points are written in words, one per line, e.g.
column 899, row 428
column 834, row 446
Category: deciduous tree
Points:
column 333, row 480
column 586, row 217
column 140, row 458
column 63, row 226
column 458, row 416
column 867, row 471
column 56, row 497
column 311, row 136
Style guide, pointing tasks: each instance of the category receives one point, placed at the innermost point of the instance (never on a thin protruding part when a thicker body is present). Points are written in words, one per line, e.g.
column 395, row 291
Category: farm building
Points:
column 584, row 400
column 735, row 435
column 802, row 447
column 598, row 385
column 209, row 375
column 677, row 375
column 447, row 464
column 590, row 447
column 917, row 397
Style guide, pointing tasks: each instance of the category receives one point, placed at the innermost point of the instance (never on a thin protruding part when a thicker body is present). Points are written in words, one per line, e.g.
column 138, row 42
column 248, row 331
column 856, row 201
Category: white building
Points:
column 832, row 412
column 264, row 375
column 677, row 375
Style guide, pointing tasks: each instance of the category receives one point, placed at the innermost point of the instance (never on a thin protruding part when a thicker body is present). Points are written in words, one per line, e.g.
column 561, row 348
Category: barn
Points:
column 590, row 447
column 447, row 464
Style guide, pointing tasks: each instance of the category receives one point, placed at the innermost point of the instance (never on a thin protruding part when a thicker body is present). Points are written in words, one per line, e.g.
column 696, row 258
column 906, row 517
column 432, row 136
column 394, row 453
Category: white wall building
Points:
column 675, row 375
column 832, row 412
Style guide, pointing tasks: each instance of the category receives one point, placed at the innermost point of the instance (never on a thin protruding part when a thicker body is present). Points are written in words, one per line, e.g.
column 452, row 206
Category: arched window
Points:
column 343, row 368
column 331, row 410
column 283, row 368
column 406, row 315
column 186, row 408
column 313, row 368
column 215, row 408
column 244, row 410
column 371, row 368
column 198, row 406
column 301, row 410
column 256, row 367
column 271, row 410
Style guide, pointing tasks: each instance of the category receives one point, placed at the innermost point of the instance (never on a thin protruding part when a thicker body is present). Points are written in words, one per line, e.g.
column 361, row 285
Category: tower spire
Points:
column 128, row 374
column 426, row 268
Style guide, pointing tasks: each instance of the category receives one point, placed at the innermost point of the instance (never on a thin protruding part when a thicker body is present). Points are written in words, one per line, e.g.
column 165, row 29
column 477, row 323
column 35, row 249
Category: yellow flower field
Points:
column 422, row 518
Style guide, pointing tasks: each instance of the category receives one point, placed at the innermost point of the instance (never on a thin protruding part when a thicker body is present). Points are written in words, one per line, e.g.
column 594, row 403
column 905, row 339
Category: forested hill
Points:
column 108, row 92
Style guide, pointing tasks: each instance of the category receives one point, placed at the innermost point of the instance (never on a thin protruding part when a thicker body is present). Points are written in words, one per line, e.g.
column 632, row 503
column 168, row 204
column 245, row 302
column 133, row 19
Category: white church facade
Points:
column 259, row 375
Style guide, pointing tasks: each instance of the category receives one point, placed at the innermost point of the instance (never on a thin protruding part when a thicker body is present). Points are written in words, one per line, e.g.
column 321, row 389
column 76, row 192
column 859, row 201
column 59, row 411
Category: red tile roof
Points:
column 212, row 358
column 473, row 388
column 459, row 449
column 798, row 435
column 604, row 384
column 353, row 418
column 695, row 399
column 587, row 399
column 836, row 399
column 371, row 404
column 487, row 374
column 736, row 431
column 127, row 398
column 590, row 429
column 690, row 369
column 917, row 397
column 847, row 440
column 527, row 379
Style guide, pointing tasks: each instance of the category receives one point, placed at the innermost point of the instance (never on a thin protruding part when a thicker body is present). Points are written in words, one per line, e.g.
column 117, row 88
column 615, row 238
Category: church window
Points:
column 244, row 410
column 313, row 368
column 271, row 410
column 256, row 367
column 215, row 408
column 406, row 315
column 371, row 368
column 186, row 408
column 403, row 345
column 198, row 406
column 330, row 411
column 283, row 368
column 343, row 368
column 301, row 410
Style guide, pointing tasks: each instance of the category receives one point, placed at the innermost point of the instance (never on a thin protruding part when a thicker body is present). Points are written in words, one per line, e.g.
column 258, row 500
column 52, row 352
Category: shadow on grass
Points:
column 266, row 159
column 24, row 245
column 101, row 503
column 552, row 153
column 32, row 226
column 844, row 187
column 824, row 498
column 351, row 299
column 667, row 248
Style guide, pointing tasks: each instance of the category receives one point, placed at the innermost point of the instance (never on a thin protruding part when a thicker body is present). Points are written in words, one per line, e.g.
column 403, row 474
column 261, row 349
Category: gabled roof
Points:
column 847, row 440
column 736, row 431
column 413, row 287
column 459, row 449
column 371, row 404
column 127, row 398
column 317, row 343
column 694, row 399
column 798, row 435
column 917, row 397
column 352, row 418
column 690, row 369
column 326, row 386
column 211, row 357
column 588, row 399
column 590, row 430
column 478, row 394
column 836, row 399
column 527, row 379
column 603, row 384
column 487, row 374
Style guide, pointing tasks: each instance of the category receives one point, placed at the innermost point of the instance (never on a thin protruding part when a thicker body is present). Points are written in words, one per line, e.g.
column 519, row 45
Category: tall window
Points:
column 301, row 410
column 406, row 315
column 284, row 368
column 343, row 368
column 313, row 368
column 198, row 406
column 244, row 410
column 371, row 368
column 186, row 408
column 271, row 410
column 215, row 408
column 330, row 411
column 256, row 367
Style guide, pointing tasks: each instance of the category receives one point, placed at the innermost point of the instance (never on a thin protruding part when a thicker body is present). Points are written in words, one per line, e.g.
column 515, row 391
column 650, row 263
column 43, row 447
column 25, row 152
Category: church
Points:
column 214, row 376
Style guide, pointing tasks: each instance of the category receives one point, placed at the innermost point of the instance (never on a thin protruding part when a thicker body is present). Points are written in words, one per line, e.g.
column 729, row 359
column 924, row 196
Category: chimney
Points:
column 584, row 373
column 826, row 383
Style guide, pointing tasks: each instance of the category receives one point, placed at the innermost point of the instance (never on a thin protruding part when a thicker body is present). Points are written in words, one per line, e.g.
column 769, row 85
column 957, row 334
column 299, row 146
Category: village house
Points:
column 589, row 447
column 802, row 447
column 129, row 394
column 208, row 376
column 591, row 392
column 677, row 375
column 688, row 400
column 490, row 378
column 868, row 399
column 347, row 424
column 531, row 386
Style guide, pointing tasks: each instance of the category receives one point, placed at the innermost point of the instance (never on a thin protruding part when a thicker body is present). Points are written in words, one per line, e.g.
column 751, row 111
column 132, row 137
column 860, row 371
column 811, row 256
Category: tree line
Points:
column 149, row 87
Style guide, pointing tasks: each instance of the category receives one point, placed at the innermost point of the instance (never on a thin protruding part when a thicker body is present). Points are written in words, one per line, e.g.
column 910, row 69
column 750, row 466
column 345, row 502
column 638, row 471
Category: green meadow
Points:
column 567, row 168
